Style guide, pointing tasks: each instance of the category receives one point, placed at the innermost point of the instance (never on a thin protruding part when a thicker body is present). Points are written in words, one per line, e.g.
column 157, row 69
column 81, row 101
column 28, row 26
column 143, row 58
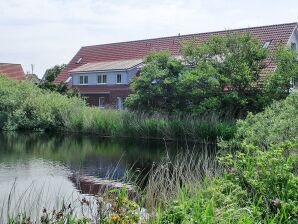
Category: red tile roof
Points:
column 140, row 48
column 14, row 71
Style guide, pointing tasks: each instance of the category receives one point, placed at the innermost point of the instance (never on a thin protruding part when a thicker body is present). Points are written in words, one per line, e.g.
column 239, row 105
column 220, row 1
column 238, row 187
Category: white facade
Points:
column 126, row 77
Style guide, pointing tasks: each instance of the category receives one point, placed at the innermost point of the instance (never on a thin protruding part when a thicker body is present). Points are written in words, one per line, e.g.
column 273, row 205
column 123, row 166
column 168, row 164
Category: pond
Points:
column 39, row 169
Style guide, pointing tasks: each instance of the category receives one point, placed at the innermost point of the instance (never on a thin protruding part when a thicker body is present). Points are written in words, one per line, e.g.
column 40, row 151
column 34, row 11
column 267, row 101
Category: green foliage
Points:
column 258, row 184
column 279, row 83
column 53, row 72
column 226, row 75
column 47, row 82
column 156, row 88
column 277, row 123
column 257, row 187
column 25, row 106
column 114, row 207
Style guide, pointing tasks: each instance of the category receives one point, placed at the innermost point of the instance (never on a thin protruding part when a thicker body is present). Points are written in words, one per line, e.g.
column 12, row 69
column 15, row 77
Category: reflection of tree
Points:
column 90, row 155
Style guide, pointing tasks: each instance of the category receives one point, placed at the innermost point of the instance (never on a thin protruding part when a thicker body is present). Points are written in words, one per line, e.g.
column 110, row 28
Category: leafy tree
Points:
column 49, row 77
column 278, row 85
column 156, row 87
column 53, row 72
column 224, row 73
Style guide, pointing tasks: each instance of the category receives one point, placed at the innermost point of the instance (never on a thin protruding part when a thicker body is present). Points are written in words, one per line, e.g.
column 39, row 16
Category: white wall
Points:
column 111, row 77
column 293, row 39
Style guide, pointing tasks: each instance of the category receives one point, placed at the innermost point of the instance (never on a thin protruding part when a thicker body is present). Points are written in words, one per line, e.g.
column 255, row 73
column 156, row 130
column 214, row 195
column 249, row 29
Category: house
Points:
column 102, row 73
column 14, row 71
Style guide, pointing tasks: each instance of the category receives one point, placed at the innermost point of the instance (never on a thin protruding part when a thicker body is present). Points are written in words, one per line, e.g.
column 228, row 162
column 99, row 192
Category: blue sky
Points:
column 50, row 32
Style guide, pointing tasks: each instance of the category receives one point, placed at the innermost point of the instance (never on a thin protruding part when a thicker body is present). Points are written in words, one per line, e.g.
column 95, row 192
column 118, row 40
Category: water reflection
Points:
column 40, row 168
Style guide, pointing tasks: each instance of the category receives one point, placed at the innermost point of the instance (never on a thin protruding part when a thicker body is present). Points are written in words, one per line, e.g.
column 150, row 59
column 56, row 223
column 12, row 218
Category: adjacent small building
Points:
column 102, row 73
column 14, row 71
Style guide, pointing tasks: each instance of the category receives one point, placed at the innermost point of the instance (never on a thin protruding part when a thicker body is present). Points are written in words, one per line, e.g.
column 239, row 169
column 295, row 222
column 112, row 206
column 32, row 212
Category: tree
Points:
column 156, row 87
column 52, row 73
column 223, row 74
column 49, row 77
column 226, row 74
column 278, row 84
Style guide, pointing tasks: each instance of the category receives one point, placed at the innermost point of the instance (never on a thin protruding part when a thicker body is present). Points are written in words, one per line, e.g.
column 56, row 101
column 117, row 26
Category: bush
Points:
column 278, row 123
column 258, row 183
column 24, row 106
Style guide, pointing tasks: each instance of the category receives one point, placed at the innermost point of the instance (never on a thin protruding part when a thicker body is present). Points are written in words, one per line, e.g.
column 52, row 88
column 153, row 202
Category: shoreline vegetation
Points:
column 253, row 180
column 24, row 106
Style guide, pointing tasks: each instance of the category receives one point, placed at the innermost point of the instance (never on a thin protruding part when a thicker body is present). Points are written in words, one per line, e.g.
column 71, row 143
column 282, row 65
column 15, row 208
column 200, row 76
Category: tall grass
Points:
column 23, row 106
column 173, row 175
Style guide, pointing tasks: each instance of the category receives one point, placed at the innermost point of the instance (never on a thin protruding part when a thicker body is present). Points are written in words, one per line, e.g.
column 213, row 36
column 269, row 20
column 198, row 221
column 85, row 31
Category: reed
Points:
column 23, row 106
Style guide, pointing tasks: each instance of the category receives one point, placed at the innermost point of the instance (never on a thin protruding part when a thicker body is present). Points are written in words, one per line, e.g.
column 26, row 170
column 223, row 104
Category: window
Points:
column 267, row 43
column 293, row 46
column 79, row 60
column 102, row 79
column 119, row 78
column 101, row 102
column 83, row 79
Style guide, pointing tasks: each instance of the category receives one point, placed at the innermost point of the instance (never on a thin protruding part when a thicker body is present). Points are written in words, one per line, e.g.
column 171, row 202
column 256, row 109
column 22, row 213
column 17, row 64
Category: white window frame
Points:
column 119, row 75
column 101, row 102
column 85, row 79
column 102, row 79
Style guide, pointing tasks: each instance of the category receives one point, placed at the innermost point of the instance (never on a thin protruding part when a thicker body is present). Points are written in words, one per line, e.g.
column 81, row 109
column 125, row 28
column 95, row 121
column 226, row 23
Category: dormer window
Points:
column 267, row 43
column 79, row 60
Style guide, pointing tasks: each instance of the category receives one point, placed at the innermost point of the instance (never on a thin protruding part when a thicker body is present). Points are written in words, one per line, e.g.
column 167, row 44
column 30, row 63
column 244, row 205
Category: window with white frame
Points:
column 119, row 77
column 102, row 79
column 101, row 102
column 83, row 79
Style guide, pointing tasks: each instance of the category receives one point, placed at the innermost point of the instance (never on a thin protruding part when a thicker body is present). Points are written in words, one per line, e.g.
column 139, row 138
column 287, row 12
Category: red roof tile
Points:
column 14, row 71
column 140, row 48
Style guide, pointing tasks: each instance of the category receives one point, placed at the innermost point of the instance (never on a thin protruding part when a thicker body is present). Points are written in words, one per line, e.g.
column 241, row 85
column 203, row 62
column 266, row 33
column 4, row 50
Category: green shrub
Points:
column 277, row 123
column 24, row 106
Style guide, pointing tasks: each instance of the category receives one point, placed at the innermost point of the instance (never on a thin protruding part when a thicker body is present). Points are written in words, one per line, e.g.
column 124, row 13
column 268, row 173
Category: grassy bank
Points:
column 256, row 184
column 24, row 106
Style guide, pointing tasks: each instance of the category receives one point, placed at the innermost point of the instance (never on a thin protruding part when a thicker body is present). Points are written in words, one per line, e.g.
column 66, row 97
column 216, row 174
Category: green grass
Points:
column 24, row 106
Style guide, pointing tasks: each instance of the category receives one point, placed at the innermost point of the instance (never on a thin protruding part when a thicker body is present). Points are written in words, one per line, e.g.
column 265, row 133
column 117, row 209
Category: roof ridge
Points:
column 193, row 34
column 115, row 61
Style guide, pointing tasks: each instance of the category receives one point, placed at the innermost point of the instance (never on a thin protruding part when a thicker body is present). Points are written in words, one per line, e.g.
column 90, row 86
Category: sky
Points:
column 49, row 32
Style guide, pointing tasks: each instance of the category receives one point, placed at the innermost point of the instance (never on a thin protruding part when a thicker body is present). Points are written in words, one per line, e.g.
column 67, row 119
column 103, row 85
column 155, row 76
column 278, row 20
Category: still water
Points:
column 39, row 170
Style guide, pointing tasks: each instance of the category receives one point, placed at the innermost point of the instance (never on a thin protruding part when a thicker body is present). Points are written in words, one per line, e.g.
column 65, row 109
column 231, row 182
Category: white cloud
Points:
column 49, row 32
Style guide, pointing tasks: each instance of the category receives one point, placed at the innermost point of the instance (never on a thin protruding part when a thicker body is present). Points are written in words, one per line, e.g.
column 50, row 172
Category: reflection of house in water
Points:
column 98, row 186
column 100, row 166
